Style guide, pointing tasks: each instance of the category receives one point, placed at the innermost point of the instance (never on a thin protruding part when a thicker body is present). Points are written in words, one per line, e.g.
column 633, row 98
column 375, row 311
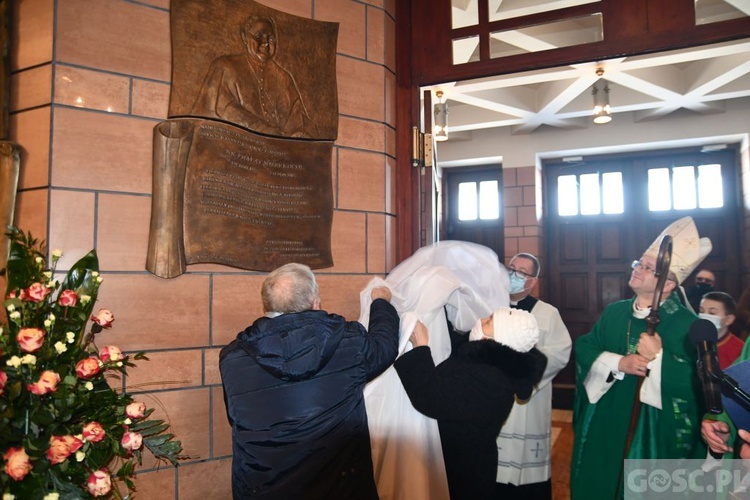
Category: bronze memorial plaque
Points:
column 242, row 170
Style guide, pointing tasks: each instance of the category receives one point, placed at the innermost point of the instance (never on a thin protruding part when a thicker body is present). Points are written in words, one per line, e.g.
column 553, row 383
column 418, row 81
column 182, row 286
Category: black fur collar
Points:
column 525, row 369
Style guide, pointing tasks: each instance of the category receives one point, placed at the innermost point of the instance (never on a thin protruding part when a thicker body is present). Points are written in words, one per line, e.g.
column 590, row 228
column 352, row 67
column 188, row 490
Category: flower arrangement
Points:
column 65, row 433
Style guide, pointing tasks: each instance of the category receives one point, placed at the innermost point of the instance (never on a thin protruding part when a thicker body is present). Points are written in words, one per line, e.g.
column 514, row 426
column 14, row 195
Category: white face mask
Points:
column 716, row 320
column 476, row 332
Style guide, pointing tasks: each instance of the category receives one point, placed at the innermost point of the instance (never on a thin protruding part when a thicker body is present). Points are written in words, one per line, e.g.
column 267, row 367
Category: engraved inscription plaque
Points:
column 239, row 199
column 253, row 202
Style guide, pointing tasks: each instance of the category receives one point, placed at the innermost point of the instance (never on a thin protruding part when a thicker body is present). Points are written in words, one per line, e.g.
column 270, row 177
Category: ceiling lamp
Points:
column 602, row 111
column 440, row 110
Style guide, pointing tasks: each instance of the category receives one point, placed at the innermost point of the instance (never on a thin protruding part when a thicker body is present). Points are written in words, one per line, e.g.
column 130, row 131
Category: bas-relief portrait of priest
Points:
column 242, row 167
column 252, row 89
column 255, row 67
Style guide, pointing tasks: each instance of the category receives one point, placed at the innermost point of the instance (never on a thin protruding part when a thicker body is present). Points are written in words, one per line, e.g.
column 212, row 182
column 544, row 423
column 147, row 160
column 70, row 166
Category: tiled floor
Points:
column 562, row 447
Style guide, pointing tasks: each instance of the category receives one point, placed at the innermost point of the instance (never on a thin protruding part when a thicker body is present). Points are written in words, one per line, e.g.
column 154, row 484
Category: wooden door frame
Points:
column 450, row 202
column 423, row 57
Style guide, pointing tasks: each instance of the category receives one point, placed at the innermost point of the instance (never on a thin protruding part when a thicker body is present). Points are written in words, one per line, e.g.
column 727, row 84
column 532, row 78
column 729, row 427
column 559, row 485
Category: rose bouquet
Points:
column 65, row 433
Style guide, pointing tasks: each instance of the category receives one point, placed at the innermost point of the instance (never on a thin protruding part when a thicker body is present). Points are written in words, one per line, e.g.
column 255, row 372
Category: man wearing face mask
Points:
column 705, row 282
column 719, row 308
column 523, row 469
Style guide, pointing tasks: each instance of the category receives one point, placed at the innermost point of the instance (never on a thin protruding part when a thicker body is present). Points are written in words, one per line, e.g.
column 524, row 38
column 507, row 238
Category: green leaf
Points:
column 42, row 416
column 21, row 268
column 149, row 427
column 79, row 277
column 168, row 451
column 81, row 280
column 131, row 486
column 67, row 489
column 158, row 440
column 127, row 469
column 14, row 390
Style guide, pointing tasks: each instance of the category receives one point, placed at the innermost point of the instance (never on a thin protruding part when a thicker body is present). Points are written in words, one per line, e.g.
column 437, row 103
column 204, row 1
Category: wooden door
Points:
column 590, row 253
column 484, row 227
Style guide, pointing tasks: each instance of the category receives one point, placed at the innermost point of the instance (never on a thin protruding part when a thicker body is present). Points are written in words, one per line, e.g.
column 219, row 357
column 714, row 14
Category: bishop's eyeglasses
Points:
column 637, row 264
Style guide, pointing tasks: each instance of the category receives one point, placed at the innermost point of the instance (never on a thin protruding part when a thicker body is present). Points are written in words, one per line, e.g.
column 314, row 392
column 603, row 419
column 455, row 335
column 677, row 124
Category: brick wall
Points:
column 522, row 196
column 90, row 80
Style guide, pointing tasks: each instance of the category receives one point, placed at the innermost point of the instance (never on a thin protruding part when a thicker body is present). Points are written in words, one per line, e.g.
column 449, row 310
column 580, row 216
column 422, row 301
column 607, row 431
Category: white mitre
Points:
column 688, row 249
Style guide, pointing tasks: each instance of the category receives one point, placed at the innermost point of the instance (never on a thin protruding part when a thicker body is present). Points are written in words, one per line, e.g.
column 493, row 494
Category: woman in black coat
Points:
column 471, row 393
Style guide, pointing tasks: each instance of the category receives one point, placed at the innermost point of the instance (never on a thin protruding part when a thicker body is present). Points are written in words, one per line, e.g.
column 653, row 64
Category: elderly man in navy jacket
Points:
column 293, row 384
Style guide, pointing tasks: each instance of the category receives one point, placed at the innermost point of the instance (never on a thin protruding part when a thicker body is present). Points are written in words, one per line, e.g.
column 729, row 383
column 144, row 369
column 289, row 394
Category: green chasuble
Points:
column 601, row 429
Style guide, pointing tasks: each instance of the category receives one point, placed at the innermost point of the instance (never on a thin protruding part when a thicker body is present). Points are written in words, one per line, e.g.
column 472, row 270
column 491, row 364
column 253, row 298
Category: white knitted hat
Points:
column 515, row 328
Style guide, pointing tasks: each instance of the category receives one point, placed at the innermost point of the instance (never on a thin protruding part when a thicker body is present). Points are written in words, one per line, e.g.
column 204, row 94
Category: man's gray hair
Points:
column 290, row 288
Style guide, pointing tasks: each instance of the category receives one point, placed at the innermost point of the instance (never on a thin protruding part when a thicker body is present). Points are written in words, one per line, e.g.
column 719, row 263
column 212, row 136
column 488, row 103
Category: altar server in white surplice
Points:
column 464, row 281
column 523, row 463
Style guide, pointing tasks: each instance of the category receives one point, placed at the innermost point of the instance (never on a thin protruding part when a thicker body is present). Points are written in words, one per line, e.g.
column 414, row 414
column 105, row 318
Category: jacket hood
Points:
column 523, row 369
column 293, row 346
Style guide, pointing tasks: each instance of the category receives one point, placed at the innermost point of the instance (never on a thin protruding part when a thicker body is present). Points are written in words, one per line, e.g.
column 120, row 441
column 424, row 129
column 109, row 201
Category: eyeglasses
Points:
column 637, row 264
column 520, row 274
column 705, row 281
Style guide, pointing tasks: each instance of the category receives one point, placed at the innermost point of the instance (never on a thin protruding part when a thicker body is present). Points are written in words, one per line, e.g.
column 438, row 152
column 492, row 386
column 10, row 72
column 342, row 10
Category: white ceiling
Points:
column 702, row 80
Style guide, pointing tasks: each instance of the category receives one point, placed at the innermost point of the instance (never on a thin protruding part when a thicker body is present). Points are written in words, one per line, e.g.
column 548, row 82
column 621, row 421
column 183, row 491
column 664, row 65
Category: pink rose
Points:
column 131, row 441
column 3, row 380
column 36, row 292
column 17, row 463
column 93, row 432
column 99, row 483
column 61, row 447
column 103, row 318
column 47, row 383
column 87, row 368
column 30, row 339
column 67, row 298
column 110, row 353
column 135, row 410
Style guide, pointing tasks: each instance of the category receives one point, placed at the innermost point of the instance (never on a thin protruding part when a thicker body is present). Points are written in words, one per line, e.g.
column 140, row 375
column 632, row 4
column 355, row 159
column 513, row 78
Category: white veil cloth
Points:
column 470, row 283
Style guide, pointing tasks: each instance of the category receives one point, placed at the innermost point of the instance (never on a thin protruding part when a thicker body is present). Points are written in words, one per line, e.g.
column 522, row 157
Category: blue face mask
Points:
column 517, row 283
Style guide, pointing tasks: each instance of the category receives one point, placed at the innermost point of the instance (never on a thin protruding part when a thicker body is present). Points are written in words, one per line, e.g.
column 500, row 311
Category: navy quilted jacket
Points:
column 293, row 393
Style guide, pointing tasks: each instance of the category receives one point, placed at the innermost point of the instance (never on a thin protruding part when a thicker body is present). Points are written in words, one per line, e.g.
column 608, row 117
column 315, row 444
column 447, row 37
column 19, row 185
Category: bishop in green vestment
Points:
column 612, row 358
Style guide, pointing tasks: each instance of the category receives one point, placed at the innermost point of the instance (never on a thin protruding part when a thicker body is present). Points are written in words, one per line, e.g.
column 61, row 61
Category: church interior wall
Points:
column 89, row 82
